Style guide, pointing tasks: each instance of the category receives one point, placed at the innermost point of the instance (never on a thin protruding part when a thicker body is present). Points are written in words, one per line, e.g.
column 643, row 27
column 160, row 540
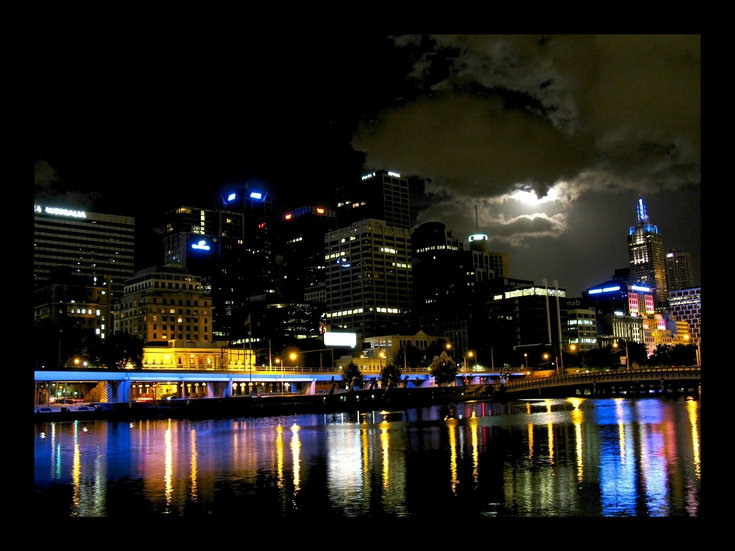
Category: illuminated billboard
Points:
column 201, row 245
column 332, row 338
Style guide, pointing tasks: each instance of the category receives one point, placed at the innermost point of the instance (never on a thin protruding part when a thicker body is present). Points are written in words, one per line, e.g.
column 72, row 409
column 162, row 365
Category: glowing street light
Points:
column 627, row 357
column 470, row 354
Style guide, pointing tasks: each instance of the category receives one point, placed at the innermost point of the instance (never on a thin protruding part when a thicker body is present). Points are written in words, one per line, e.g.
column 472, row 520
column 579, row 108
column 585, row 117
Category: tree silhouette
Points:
column 352, row 376
column 444, row 369
column 390, row 376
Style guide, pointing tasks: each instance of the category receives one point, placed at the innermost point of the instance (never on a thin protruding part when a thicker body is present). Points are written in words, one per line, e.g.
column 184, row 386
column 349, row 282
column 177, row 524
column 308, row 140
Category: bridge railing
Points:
column 604, row 376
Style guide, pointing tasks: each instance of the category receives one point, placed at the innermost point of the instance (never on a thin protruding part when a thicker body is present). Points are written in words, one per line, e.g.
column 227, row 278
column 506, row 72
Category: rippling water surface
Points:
column 537, row 458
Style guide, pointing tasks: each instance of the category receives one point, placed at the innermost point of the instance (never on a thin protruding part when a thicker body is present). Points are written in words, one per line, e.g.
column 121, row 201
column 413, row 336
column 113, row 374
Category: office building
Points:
column 580, row 330
column 210, row 244
column 369, row 278
column 481, row 264
column 303, row 268
column 521, row 324
column 94, row 245
column 679, row 270
column 440, row 291
column 646, row 256
column 686, row 305
column 382, row 195
column 163, row 304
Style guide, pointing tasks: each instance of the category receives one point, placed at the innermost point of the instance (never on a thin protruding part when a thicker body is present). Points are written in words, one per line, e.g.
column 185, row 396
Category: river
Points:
column 576, row 457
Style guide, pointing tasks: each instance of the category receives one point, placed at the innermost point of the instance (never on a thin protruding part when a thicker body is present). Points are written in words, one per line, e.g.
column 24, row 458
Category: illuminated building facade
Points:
column 260, row 226
column 210, row 244
column 380, row 351
column 686, row 305
column 646, row 256
column 528, row 319
column 94, row 245
column 368, row 278
column 580, row 329
column 621, row 310
column 679, row 270
column 162, row 304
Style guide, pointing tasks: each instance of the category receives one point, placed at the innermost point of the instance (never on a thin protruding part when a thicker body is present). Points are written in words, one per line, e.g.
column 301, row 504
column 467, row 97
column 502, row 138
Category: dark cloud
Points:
column 577, row 119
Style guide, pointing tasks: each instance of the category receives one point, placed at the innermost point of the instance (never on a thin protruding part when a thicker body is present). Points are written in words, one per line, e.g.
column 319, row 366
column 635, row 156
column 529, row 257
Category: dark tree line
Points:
column 67, row 345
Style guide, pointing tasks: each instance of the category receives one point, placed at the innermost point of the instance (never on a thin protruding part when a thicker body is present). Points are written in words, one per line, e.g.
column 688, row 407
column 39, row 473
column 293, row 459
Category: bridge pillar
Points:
column 219, row 389
column 118, row 391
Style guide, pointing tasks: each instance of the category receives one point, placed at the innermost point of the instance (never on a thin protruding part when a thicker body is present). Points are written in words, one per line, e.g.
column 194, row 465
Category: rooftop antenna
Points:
column 477, row 225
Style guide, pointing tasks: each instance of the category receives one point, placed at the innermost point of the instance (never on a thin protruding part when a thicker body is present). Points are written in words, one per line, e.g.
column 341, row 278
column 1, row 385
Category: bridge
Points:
column 129, row 385
column 622, row 381
column 126, row 384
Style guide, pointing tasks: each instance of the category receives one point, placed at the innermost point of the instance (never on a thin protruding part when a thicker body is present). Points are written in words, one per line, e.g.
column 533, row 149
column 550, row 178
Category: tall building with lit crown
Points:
column 382, row 194
column 646, row 256
column 91, row 244
column 210, row 243
column 369, row 278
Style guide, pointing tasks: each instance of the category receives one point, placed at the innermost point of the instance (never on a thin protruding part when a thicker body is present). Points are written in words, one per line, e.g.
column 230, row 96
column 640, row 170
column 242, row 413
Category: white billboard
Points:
column 332, row 338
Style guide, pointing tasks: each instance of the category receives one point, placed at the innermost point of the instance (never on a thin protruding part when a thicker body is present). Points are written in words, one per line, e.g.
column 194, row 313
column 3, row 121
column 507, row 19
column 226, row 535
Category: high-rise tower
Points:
column 91, row 244
column 369, row 278
column 646, row 254
column 209, row 244
column 679, row 270
column 382, row 194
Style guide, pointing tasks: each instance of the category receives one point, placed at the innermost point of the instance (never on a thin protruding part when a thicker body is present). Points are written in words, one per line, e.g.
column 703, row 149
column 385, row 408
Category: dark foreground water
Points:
column 537, row 458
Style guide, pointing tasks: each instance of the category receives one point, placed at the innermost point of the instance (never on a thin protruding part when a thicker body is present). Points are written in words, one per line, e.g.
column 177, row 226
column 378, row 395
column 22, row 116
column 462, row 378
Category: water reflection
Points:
column 574, row 457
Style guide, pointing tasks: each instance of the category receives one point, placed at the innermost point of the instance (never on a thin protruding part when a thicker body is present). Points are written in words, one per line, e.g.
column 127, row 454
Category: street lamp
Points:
column 525, row 357
column 627, row 357
column 469, row 354
column 280, row 368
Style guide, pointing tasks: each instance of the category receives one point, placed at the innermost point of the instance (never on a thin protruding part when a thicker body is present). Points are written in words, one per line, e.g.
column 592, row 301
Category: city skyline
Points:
column 543, row 143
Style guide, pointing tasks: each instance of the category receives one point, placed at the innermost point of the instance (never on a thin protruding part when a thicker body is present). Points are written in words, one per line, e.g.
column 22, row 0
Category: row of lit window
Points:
column 345, row 313
column 437, row 248
column 581, row 322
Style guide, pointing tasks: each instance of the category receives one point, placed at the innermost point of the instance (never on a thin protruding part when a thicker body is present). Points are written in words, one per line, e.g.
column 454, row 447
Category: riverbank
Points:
column 268, row 405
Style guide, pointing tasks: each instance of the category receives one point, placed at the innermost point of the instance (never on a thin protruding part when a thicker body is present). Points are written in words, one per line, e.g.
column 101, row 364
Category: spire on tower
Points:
column 641, row 211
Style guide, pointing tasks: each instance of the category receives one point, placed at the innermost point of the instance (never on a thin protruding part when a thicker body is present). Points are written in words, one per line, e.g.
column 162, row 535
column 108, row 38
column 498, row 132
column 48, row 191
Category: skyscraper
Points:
column 382, row 194
column 369, row 278
column 91, row 244
column 440, row 292
column 646, row 255
column 209, row 243
column 679, row 270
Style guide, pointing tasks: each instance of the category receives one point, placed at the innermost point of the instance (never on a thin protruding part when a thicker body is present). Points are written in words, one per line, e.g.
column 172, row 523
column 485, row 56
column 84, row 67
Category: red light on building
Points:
column 261, row 225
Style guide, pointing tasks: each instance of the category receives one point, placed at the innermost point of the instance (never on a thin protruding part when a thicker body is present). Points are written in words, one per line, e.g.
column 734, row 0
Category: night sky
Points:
column 549, row 138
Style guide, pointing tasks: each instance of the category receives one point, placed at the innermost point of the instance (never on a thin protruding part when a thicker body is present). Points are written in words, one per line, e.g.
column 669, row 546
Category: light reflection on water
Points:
column 573, row 457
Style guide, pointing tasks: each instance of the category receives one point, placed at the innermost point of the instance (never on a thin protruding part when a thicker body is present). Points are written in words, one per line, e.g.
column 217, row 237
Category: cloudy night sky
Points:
column 550, row 139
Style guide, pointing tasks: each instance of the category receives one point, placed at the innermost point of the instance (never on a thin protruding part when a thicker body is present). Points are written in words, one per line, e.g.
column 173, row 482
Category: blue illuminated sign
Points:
column 256, row 195
column 201, row 245
column 604, row 290
column 641, row 288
